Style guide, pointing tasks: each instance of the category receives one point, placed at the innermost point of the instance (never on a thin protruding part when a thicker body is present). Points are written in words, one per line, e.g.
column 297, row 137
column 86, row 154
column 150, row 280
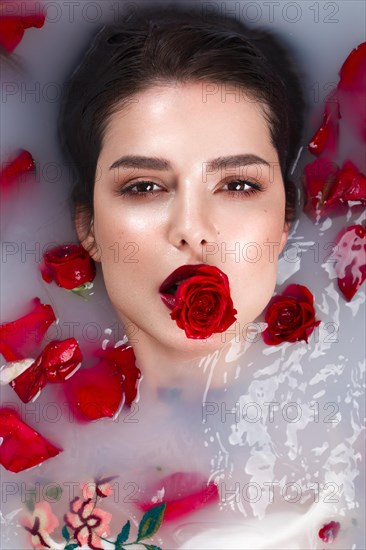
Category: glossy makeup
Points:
column 183, row 180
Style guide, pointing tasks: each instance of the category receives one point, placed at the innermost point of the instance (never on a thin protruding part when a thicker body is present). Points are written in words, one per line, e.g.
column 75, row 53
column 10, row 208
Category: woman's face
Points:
column 191, row 212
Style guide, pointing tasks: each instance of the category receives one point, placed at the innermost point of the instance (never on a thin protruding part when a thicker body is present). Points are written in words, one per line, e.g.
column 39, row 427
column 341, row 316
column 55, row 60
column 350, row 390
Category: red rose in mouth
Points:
column 69, row 265
column 203, row 303
column 290, row 316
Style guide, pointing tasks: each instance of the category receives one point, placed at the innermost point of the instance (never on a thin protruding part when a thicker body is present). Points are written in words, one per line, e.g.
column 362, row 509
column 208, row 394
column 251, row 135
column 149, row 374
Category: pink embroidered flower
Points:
column 88, row 522
column 92, row 489
column 40, row 524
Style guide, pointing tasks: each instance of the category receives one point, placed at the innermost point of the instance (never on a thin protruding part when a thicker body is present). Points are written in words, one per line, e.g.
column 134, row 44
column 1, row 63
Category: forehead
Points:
column 209, row 116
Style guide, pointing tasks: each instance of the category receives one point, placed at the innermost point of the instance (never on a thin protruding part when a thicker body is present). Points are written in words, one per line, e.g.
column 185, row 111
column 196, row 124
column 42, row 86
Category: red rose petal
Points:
column 97, row 392
column 68, row 265
column 13, row 24
column 18, row 338
column 184, row 493
column 329, row 531
column 12, row 171
column 57, row 362
column 350, row 264
column 22, row 447
column 353, row 71
column 326, row 138
column 350, row 185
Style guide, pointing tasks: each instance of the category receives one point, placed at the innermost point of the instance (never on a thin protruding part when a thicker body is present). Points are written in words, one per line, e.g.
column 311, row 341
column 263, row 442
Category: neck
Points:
column 167, row 371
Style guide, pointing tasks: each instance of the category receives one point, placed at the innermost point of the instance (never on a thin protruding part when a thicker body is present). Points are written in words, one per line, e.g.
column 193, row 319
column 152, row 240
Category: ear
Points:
column 284, row 236
column 85, row 232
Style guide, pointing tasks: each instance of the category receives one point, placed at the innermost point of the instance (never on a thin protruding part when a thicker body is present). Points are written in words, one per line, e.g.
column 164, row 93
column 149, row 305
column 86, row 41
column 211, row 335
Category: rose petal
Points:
column 19, row 338
column 350, row 256
column 57, row 362
column 22, row 447
column 325, row 139
column 183, row 492
column 329, row 531
column 12, row 26
column 13, row 170
column 97, row 391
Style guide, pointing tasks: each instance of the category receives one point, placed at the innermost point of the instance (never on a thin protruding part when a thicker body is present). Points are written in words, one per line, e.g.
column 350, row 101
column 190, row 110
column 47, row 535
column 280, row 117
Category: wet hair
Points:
column 160, row 45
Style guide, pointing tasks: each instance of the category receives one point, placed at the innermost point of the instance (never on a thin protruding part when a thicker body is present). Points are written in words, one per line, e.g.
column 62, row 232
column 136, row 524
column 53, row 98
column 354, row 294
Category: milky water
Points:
column 283, row 436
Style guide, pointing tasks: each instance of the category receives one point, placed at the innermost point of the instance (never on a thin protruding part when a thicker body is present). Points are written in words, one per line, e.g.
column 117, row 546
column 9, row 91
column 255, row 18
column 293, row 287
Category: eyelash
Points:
column 127, row 191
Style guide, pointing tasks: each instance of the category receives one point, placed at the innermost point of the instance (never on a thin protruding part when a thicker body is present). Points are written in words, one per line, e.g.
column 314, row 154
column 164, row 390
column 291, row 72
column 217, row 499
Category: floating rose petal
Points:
column 57, row 362
column 290, row 316
column 13, row 23
column 350, row 185
column 18, row 339
column 183, row 492
column 353, row 71
column 12, row 171
column 22, row 447
column 329, row 532
column 319, row 177
column 97, row 391
column 69, row 265
column 326, row 138
column 350, row 260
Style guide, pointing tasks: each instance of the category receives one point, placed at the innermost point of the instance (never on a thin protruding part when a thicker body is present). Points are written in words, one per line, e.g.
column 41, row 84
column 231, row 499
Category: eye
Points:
column 140, row 189
column 240, row 187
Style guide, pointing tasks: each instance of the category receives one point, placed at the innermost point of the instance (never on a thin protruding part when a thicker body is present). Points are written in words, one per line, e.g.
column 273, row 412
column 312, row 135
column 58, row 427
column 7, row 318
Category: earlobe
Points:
column 85, row 232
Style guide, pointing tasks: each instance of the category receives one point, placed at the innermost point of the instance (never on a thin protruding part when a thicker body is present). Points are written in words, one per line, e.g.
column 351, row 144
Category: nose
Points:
column 191, row 223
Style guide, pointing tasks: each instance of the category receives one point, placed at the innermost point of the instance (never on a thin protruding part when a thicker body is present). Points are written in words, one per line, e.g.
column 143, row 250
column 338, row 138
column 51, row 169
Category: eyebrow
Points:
column 156, row 163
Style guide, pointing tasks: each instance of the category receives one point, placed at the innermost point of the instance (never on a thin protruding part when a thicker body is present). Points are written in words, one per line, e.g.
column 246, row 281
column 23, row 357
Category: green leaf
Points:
column 71, row 546
column 152, row 547
column 124, row 534
column 151, row 522
column 65, row 533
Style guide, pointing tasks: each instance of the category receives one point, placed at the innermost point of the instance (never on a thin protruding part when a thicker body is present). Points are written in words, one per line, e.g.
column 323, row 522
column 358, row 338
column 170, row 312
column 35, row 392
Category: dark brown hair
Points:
column 158, row 45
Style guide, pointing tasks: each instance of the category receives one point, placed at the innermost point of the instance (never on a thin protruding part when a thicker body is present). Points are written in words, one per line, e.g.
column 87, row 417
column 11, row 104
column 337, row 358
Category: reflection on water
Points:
column 282, row 437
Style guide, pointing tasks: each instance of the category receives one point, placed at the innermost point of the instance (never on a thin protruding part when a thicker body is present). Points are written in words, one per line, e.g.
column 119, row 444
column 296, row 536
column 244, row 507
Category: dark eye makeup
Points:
column 145, row 189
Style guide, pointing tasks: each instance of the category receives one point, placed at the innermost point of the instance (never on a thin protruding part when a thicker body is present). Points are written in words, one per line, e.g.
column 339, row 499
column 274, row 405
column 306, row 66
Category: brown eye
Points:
column 240, row 187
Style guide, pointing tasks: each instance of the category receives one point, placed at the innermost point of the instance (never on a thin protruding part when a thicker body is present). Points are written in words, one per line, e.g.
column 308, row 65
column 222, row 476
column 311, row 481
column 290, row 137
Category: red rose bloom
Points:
column 58, row 361
column 290, row 316
column 69, row 265
column 203, row 303
column 22, row 447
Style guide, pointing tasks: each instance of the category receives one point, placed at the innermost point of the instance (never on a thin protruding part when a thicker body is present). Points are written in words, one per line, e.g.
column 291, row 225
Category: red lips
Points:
column 180, row 274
